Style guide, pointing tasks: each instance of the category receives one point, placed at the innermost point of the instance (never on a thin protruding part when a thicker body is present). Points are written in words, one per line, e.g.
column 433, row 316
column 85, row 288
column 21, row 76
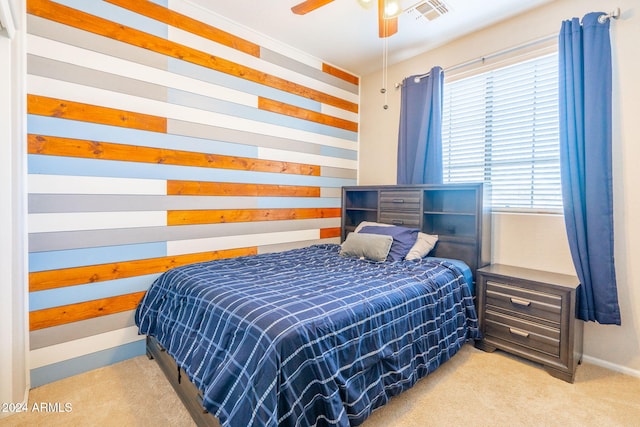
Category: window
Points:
column 501, row 127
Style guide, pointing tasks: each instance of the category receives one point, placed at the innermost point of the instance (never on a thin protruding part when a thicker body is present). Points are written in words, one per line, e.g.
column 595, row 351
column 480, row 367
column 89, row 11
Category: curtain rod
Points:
column 490, row 56
column 614, row 14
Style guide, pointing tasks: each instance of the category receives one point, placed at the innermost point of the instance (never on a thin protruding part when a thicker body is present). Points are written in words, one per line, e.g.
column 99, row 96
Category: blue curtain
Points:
column 420, row 133
column 585, row 156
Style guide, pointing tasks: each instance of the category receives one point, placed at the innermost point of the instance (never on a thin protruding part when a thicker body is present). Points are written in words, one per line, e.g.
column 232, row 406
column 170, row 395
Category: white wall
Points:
column 538, row 241
column 13, row 372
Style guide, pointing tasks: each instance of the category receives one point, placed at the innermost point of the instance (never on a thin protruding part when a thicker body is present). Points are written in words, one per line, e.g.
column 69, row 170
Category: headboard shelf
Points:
column 457, row 213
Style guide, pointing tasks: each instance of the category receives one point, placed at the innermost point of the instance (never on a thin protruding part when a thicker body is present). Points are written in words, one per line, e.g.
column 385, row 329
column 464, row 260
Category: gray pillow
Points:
column 374, row 247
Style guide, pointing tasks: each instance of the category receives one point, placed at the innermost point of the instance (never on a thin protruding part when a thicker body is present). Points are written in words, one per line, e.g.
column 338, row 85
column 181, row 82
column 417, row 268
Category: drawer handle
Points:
column 520, row 302
column 397, row 221
column 398, row 200
column 519, row 333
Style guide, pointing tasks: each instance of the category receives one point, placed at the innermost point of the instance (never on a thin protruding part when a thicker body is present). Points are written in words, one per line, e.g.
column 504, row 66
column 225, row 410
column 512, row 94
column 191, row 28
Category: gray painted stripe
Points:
column 82, row 329
column 292, row 64
column 64, row 203
column 331, row 192
column 44, row 67
column 43, row 242
column 240, row 137
column 338, row 172
column 294, row 245
column 86, row 40
column 60, row 203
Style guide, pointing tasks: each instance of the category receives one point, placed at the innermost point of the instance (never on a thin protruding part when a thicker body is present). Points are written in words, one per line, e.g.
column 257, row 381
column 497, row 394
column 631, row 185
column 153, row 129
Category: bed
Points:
column 325, row 335
column 317, row 336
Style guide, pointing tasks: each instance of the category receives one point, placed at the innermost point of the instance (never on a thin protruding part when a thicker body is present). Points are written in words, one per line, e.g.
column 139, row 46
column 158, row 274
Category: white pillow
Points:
column 424, row 243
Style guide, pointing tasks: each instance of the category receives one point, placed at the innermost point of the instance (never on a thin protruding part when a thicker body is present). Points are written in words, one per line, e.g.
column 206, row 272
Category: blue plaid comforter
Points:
column 307, row 337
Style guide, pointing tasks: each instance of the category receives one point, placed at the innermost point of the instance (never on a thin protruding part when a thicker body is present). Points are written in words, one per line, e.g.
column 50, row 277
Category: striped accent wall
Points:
column 160, row 134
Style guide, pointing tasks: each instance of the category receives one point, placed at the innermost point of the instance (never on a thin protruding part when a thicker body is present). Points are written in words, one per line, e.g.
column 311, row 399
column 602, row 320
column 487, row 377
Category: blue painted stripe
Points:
column 92, row 291
column 52, row 126
column 188, row 99
column 57, row 371
column 341, row 153
column 164, row 3
column 55, row 260
column 298, row 202
column 119, row 15
column 57, row 165
column 216, row 77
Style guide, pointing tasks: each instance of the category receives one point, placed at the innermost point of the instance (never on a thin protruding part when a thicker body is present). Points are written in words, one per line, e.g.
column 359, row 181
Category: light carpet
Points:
column 474, row 388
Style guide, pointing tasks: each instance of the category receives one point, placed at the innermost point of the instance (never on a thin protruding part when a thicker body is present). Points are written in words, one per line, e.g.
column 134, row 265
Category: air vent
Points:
column 429, row 10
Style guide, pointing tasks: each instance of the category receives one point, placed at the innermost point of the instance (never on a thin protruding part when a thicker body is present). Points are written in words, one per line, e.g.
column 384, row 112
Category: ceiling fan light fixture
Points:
column 365, row 4
column 392, row 9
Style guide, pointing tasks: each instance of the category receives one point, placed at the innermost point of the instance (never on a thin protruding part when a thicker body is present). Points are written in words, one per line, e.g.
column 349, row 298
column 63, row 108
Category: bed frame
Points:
column 448, row 245
column 189, row 394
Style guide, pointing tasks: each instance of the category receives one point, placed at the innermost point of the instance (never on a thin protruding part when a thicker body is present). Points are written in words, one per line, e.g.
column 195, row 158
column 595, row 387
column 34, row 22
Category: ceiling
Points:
column 345, row 35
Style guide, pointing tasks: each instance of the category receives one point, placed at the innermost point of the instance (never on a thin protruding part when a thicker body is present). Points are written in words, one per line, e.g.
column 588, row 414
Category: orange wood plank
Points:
column 57, row 146
column 51, row 279
column 301, row 113
column 201, row 188
column 336, row 72
column 55, row 316
column 84, row 21
column 184, row 22
column 326, row 233
column 43, row 106
column 386, row 27
column 217, row 216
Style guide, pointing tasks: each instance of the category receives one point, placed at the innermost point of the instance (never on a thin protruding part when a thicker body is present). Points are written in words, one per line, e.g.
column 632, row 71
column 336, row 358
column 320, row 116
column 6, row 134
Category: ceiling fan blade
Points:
column 308, row 6
column 386, row 27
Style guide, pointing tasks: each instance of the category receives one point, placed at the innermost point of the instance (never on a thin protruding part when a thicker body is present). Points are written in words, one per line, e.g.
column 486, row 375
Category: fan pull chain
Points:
column 385, row 53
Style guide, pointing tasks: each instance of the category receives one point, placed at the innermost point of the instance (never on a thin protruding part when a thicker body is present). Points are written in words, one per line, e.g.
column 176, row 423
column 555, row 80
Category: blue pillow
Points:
column 403, row 239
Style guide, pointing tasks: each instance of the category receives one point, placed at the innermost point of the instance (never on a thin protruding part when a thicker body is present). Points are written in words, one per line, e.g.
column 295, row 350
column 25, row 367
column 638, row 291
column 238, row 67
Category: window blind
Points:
column 501, row 127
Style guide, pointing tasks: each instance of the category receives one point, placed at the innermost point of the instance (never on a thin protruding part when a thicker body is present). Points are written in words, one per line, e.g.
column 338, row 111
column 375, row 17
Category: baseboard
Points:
column 611, row 366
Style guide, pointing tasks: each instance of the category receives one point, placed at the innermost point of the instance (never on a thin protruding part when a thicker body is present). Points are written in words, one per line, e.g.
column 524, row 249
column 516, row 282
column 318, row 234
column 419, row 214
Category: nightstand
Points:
column 531, row 313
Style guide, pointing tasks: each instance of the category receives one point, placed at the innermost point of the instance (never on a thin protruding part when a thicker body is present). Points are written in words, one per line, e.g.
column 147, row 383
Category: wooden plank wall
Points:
column 160, row 135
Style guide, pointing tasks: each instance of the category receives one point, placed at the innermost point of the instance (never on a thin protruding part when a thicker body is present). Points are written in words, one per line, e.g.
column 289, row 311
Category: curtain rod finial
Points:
column 614, row 14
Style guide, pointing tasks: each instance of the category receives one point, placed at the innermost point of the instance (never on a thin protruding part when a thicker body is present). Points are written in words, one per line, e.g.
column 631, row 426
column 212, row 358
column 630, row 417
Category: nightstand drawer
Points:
column 400, row 200
column 406, row 219
column 522, row 332
column 533, row 303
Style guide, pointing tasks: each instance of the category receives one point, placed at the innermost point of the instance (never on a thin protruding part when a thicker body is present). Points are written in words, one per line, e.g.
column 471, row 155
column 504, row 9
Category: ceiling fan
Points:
column 388, row 11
